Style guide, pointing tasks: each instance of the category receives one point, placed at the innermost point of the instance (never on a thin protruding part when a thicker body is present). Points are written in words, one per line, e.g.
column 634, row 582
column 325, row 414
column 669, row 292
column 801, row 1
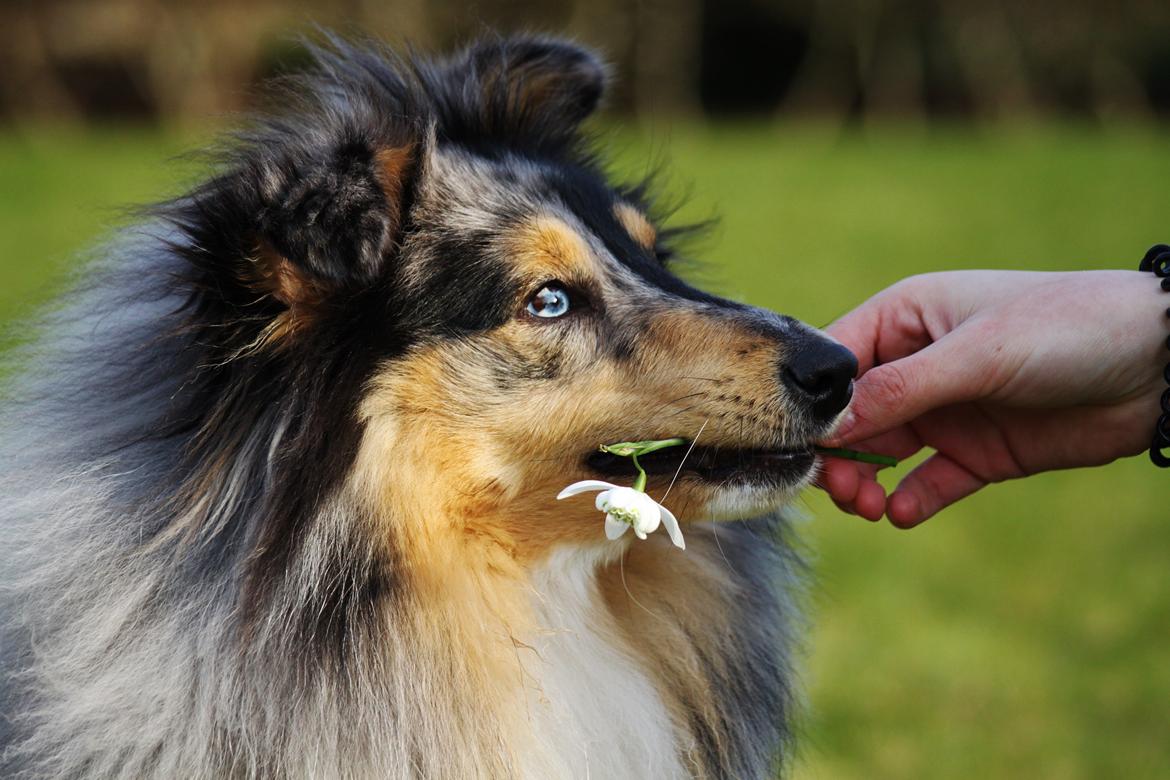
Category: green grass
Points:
column 1023, row 633
column 61, row 192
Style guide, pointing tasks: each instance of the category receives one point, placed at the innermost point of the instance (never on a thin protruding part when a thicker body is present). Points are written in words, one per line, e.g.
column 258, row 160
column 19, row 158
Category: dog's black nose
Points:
column 820, row 373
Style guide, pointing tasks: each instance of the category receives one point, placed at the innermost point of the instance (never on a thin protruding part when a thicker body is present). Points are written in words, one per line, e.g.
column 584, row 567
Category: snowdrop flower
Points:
column 626, row 508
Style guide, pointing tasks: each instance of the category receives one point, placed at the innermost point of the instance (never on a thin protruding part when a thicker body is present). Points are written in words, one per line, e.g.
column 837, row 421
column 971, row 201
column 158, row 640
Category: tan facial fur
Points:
column 486, row 444
column 636, row 225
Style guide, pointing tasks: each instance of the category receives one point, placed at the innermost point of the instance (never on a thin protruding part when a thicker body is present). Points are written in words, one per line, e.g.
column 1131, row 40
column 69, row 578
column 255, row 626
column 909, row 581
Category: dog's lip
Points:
column 712, row 463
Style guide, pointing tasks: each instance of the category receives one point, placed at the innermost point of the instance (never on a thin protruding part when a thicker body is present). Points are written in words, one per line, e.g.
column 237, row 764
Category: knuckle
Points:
column 913, row 285
column 891, row 383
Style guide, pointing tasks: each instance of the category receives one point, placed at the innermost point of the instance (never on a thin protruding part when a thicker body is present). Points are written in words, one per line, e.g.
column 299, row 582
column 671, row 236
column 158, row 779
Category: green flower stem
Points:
column 653, row 446
column 628, row 448
column 864, row 457
column 640, row 482
column 632, row 449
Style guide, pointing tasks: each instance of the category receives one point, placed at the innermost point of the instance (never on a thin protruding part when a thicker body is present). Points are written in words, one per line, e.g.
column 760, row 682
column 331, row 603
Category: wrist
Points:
column 1157, row 261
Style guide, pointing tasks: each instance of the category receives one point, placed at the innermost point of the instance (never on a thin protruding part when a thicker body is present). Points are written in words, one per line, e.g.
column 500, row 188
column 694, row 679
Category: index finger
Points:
column 884, row 328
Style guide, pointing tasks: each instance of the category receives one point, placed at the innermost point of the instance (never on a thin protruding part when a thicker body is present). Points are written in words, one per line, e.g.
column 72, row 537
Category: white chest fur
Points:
column 593, row 711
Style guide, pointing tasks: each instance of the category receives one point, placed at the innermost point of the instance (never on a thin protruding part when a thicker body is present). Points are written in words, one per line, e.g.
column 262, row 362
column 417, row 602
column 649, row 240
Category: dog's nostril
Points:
column 821, row 373
column 814, row 384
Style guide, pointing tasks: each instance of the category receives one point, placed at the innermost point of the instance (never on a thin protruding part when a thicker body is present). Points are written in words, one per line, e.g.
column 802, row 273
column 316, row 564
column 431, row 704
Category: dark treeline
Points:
column 176, row 60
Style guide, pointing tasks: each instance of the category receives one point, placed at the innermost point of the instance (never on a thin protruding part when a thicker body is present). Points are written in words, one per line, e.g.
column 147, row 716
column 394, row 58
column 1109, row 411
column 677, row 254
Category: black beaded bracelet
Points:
column 1157, row 259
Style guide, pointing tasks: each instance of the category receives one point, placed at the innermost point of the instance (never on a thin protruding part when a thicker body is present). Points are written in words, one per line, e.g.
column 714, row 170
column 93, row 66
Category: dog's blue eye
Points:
column 552, row 300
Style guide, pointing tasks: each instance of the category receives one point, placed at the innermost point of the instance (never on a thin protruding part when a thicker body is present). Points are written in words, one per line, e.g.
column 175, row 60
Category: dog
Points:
column 279, row 474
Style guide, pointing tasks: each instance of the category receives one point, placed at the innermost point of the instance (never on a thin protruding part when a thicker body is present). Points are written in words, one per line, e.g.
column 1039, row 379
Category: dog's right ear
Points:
column 523, row 87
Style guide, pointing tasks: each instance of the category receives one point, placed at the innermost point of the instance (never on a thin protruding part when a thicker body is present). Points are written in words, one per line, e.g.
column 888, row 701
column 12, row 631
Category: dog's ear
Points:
column 330, row 217
column 531, row 84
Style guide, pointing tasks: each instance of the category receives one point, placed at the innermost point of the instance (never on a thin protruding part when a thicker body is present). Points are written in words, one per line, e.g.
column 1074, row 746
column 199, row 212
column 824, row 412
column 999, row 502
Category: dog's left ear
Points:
column 529, row 84
column 331, row 217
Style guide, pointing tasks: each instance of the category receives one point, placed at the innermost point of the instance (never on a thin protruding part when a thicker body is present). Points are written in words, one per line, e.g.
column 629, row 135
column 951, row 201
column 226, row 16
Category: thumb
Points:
column 893, row 394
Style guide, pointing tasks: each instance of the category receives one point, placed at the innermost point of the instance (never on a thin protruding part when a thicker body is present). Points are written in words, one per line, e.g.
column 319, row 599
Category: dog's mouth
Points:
column 726, row 466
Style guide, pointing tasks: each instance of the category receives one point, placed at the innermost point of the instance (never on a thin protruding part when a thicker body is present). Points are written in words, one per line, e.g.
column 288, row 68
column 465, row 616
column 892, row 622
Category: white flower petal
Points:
column 648, row 513
column 628, row 499
column 670, row 522
column 602, row 502
column 583, row 486
column 614, row 528
column 639, row 534
column 624, row 497
column 648, row 524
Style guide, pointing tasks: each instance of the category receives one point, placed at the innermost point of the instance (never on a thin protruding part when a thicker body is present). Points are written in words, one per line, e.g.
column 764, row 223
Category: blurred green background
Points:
column 1024, row 633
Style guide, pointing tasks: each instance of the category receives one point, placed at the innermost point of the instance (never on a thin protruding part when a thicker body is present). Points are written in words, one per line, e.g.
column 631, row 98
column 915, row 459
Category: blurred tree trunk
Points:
column 29, row 86
column 666, row 69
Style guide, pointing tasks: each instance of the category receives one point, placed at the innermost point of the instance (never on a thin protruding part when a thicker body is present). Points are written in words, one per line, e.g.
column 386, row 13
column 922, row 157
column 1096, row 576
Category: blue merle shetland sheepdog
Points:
column 279, row 478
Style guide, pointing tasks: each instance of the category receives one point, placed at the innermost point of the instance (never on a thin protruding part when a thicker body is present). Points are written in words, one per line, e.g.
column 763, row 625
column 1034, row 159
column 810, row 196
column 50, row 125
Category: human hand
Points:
column 1003, row 374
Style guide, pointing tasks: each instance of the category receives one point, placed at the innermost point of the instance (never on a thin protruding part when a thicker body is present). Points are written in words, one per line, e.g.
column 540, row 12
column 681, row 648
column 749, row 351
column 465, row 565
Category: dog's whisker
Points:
column 683, row 462
column 719, row 545
column 626, row 587
column 683, row 398
column 553, row 459
column 682, row 411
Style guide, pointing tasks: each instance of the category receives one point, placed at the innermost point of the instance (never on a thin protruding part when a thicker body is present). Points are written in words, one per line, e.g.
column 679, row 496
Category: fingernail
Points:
column 844, row 424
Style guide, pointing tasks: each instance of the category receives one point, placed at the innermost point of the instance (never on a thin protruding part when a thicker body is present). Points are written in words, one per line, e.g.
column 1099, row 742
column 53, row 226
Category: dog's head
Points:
column 427, row 274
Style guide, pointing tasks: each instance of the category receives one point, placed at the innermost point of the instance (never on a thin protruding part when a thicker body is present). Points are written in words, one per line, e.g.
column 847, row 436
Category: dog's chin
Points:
column 743, row 502
column 746, row 499
column 741, row 483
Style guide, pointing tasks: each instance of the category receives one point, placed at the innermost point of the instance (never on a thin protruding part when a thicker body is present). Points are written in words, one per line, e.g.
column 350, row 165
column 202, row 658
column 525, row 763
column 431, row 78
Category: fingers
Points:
column 903, row 370
column 887, row 327
column 944, row 373
column 853, row 485
column 871, row 500
column 852, row 489
column 931, row 487
column 840, row 479
column 934, row 485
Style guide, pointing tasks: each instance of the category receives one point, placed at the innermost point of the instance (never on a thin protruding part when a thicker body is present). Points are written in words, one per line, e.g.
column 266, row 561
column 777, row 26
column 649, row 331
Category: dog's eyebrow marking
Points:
column 550, row 246
column 636, row 224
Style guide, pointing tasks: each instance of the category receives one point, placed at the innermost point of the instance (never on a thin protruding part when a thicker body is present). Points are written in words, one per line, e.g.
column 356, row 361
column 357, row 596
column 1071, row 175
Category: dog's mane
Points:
column 173, row 510
column 158, row 469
